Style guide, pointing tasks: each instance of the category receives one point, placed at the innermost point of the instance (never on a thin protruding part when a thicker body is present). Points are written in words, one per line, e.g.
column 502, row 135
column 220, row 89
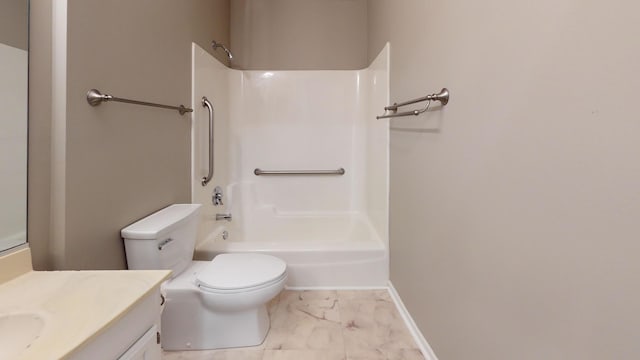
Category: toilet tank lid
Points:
column 165, row 220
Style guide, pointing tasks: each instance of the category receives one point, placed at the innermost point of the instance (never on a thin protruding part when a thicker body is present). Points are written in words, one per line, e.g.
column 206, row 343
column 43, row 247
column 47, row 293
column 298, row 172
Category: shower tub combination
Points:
column 320, row 251
column 331, row 228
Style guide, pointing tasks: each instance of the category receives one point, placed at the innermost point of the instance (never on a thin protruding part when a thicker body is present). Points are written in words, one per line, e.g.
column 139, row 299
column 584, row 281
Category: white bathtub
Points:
column 340, row 250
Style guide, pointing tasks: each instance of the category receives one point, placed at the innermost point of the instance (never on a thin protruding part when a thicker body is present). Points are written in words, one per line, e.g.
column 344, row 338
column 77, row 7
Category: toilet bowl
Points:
column 209, row 304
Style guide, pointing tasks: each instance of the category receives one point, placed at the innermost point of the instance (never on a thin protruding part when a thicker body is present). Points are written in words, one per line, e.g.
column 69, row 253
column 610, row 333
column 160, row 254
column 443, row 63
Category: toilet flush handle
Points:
column 164, row 243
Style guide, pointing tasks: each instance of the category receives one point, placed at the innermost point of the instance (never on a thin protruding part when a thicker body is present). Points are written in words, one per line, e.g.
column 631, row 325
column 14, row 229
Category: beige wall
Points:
column 299, row 34
column 14, row 17
column 121, row 162
column 514, row 211
column 39, row 164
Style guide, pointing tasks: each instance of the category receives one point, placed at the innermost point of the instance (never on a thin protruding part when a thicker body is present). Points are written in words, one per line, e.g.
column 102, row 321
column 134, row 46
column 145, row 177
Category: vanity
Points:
column 78, row 314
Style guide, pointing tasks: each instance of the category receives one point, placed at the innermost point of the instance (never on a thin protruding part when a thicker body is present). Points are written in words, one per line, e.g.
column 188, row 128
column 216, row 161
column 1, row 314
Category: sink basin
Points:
column 17, row 332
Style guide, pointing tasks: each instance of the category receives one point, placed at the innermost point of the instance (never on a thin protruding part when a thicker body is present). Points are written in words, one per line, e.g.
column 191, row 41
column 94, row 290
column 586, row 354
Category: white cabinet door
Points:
column 146, row 348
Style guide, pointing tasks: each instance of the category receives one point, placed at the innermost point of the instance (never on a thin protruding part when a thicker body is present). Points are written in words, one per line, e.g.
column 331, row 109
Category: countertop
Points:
column 76, row 305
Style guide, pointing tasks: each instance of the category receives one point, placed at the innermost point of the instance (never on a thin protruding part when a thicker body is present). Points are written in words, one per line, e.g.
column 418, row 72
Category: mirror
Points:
column 14, row 61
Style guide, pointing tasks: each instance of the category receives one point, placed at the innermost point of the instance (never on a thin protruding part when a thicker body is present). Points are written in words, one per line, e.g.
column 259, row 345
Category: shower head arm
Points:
column 215, row 45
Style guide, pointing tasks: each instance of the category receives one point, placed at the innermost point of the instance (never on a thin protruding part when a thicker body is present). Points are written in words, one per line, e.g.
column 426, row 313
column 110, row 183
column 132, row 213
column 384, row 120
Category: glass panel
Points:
column 14, row 30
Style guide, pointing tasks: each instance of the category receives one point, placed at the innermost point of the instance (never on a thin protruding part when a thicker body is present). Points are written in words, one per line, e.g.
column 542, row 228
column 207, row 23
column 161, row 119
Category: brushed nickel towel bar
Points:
column 442, row 96
column 260, row 172
column 95, row 98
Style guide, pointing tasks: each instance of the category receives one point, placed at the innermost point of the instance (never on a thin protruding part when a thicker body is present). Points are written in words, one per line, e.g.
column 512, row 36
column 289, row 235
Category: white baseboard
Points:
column 303, row 288
column 426, row 350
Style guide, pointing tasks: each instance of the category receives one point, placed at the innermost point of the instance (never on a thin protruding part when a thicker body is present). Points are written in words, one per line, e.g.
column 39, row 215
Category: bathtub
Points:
column 332, row 250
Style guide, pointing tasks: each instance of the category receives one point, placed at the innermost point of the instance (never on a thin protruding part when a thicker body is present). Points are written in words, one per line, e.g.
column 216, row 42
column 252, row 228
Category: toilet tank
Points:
column 164, row 240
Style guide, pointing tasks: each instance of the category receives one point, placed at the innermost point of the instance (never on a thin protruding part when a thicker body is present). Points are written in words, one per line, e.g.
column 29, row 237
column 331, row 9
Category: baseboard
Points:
column 426, row 350
column 304, row 288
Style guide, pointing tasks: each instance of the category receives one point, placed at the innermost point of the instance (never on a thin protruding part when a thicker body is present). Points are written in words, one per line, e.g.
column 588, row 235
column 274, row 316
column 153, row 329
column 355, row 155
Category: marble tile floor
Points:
column 326, row 325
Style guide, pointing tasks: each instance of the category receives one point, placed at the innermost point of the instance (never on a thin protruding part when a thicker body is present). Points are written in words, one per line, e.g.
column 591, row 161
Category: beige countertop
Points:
column 75, row 305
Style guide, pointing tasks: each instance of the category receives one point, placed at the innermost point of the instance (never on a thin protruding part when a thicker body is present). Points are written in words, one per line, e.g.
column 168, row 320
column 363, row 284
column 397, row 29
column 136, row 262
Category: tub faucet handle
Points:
column 217, row 196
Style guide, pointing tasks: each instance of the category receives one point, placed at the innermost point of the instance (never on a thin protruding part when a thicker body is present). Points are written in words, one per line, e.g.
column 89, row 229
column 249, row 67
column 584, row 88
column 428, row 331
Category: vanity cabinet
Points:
column 146, row 348
column 79, row 315
column 133, row 336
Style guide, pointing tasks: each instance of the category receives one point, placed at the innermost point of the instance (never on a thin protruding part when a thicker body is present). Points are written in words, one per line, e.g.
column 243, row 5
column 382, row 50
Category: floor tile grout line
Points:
column 342, row 327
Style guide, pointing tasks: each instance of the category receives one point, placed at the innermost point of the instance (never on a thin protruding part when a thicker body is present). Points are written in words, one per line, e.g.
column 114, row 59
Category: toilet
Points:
column 208, row 304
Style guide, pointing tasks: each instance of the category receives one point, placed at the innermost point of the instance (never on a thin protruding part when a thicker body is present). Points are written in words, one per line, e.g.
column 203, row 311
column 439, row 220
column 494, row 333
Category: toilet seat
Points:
column 206, row 289
column 230, row 273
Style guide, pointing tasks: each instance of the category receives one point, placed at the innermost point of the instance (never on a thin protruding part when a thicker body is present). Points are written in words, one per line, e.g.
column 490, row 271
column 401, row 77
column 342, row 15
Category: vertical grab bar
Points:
column 206, row 103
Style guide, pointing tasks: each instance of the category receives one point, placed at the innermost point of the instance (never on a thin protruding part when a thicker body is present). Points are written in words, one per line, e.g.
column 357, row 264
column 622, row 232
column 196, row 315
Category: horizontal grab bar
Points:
column 95, row 98
column 260, row 172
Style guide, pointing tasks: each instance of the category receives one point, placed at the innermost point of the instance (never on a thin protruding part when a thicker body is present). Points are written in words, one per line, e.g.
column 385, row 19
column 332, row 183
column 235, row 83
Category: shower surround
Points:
column 331, row 230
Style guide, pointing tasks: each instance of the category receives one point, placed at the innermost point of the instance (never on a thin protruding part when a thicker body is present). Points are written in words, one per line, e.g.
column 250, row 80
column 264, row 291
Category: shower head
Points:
column 215, row 45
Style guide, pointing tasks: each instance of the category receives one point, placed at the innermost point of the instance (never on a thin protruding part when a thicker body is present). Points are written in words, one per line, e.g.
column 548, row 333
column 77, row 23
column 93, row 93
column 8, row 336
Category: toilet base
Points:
column 195, row 318
column 186, row 325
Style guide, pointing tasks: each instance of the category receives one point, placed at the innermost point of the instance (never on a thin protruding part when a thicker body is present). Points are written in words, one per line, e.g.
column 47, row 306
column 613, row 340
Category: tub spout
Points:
column 223, row 217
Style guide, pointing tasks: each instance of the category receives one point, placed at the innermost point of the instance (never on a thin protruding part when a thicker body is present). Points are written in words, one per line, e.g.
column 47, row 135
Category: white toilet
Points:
column 209, row 304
